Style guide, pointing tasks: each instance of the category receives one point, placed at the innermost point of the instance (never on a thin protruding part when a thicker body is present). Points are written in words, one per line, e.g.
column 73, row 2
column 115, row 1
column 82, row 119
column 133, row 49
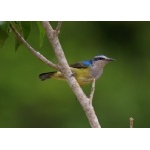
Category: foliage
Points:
column 23, row 27
column 4, row 28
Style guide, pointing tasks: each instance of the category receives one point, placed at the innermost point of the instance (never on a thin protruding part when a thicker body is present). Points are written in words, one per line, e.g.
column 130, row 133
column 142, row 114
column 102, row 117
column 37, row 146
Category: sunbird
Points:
column 84, row 72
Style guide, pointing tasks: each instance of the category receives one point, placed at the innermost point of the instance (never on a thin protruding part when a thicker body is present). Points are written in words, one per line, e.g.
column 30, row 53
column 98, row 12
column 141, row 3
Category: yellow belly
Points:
column 82, row 75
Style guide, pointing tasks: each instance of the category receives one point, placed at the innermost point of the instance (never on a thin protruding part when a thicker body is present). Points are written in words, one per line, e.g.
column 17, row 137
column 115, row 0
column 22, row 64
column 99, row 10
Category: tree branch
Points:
column 131, row 122
column 32, row 50
column 58, row 27
column 92, row 91
column 65, row 69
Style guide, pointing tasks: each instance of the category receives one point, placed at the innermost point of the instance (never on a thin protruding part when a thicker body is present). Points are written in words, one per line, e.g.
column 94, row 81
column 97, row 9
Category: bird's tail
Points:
column 47, row 75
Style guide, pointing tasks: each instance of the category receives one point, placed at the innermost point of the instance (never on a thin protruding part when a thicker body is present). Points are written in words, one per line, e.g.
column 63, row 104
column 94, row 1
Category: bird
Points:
column 84, row 72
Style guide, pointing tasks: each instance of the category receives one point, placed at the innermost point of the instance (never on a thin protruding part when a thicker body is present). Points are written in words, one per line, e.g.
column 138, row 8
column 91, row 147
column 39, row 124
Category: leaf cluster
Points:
column 23, row 28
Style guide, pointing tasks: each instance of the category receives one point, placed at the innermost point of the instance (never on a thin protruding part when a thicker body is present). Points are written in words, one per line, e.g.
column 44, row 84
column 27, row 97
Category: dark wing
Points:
column 83, row 64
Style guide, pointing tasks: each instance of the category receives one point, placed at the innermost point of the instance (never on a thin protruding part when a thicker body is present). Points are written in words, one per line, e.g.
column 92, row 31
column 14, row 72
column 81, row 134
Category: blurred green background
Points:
column 122, row 91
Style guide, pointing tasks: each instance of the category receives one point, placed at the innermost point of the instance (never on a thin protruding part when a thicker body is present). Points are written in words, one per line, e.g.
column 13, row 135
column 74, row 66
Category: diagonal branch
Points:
column 65, row 69
column 32, row 50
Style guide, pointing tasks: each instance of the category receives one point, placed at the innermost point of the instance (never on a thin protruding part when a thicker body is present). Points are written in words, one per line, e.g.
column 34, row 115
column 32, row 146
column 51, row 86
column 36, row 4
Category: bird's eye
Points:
column 98, row 58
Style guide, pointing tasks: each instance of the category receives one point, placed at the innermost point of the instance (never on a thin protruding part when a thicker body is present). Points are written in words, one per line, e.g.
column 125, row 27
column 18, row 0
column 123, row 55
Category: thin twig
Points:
column 131, row 122
column 37, row 54
column 65, row 69
column 92, row 91
column 57, row 30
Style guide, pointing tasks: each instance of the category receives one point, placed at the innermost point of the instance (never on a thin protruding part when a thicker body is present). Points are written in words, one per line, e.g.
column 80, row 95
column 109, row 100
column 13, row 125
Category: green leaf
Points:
column 5, row 25
column 4, row 28
column 42, row 32
column 26, row 27
column 18, row 27
column 18, row 43
column 3, row 37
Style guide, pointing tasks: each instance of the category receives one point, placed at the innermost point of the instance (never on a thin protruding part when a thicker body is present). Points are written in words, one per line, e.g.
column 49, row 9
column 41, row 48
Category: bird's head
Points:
column 101, row 60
